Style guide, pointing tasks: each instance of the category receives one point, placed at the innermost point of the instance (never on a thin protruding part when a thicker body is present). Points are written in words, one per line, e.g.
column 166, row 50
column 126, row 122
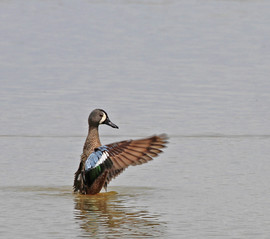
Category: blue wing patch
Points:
column 97, row 157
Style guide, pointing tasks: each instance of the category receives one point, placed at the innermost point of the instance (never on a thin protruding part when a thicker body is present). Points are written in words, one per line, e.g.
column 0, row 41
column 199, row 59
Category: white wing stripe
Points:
column 103, row 157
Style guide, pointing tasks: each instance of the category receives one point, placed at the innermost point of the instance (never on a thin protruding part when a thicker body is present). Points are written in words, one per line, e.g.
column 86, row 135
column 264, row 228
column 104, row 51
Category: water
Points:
column 196, row 70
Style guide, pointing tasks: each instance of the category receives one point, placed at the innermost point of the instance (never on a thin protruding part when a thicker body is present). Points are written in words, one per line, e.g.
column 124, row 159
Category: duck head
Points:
column 99, row 116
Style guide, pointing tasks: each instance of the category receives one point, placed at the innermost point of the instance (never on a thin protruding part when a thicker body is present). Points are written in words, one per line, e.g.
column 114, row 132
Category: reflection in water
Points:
column 106, row 214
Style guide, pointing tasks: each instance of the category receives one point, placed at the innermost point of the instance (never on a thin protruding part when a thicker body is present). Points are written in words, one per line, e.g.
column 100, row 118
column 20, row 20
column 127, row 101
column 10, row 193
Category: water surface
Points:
column 196, row 70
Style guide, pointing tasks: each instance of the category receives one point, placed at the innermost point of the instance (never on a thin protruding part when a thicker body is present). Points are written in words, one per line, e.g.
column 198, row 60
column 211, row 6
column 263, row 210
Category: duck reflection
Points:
column 106, row 215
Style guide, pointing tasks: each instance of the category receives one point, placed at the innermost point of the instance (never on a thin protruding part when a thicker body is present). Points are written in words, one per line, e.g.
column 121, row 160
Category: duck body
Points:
column 99, row 164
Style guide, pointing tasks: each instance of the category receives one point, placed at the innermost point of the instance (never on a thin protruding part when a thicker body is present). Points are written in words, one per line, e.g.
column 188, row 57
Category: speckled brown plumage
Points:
column 120, row 155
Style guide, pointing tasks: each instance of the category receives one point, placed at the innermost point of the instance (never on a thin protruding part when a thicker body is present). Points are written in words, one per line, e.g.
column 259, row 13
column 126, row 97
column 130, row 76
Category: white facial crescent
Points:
column 103, row 118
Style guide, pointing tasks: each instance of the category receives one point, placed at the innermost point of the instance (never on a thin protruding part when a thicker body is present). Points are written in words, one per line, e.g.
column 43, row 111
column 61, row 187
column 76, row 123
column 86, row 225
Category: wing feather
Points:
column 133, row 152
column 121, row 161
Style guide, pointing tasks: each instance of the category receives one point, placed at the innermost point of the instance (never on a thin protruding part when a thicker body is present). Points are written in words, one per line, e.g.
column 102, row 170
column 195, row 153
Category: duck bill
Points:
column 110, row 123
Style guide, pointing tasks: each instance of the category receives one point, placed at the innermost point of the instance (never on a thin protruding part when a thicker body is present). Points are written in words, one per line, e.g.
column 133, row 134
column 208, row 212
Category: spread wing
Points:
column 96, row 164
column 133, row 152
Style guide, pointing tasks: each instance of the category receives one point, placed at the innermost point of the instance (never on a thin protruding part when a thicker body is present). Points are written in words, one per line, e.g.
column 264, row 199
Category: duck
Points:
column 99, row 164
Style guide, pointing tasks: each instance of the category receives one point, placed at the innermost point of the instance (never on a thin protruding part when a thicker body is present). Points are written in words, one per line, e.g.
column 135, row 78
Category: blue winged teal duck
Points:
column 100, row 164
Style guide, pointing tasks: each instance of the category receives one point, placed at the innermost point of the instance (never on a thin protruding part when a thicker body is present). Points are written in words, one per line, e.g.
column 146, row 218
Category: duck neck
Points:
column 92, row 141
